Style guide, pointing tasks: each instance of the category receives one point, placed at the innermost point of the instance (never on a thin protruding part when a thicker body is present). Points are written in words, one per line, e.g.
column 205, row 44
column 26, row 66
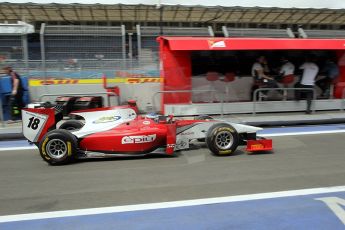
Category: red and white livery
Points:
column 120, row 131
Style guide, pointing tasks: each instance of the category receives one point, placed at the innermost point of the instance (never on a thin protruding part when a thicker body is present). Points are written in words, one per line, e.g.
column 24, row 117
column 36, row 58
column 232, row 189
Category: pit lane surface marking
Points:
column 16, row 145
column 296, row 209
column 303, row 130
column 268, row 132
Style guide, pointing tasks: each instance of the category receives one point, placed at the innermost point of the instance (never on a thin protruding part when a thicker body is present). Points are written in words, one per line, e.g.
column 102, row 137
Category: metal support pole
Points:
column 225, row 31
column 139, row 41
column 210, row 31
column 25, row 52
column 123, row 33
column 160, row 7
column 130, row 46
column 43, row 53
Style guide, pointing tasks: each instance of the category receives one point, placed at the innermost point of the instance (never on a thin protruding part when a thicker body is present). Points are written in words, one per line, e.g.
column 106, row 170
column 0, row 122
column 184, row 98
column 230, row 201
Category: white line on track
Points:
column 17, row 148
column 175, row 204
column 261, row 135
column 301, row 133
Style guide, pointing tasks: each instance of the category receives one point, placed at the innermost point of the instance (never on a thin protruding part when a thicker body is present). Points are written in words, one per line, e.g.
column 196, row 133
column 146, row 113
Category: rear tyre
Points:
column 72, row 125
column 222, row 139
column 58, row 147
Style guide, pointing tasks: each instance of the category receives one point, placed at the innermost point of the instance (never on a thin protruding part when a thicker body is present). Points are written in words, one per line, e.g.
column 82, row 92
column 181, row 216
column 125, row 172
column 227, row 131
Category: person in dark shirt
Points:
column 16, row 99
column 331, row 72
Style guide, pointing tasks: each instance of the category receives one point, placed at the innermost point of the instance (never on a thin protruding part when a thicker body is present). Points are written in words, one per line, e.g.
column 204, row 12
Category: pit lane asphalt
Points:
column 28, row 184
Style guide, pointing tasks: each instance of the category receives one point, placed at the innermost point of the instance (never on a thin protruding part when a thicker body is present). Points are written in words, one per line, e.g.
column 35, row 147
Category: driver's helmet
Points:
column 153, row 116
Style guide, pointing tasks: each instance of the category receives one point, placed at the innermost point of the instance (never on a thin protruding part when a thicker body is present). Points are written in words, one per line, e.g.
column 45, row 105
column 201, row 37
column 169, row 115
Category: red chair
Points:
column 229, row 77
column 212, row 76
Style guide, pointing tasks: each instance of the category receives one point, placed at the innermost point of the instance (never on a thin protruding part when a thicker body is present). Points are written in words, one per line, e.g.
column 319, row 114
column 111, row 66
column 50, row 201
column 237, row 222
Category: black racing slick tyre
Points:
column 58, row 147
column 72, row 125
column 222, row 139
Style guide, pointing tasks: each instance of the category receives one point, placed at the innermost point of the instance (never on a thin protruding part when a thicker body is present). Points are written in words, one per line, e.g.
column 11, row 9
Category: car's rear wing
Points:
column 38, row 121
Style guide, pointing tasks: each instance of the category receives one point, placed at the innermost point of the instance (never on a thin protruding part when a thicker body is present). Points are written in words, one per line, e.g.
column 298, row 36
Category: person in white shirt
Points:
column 310, row 71
column 287, row 69
column 260, row 72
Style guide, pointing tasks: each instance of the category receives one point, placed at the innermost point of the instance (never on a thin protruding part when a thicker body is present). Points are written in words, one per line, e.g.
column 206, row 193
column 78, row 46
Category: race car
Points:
column 120, row 131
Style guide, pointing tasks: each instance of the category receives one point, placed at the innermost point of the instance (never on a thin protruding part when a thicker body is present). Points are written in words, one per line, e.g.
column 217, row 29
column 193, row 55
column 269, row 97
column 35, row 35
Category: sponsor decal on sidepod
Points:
column 138, row 139
column 107, row 119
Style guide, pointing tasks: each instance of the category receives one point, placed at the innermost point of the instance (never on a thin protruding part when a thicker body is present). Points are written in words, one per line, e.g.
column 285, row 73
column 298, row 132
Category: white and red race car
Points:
column 120, row 131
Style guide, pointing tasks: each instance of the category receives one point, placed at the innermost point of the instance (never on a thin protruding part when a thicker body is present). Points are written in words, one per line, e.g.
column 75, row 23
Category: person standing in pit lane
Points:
column 16, row 98
column 310, row 71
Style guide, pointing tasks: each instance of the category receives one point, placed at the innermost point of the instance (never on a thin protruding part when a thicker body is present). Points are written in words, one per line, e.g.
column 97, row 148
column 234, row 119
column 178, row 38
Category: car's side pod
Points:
column 36, row 122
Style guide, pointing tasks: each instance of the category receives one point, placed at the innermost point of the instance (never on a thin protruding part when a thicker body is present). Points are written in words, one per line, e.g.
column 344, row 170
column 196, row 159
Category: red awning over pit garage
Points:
column 206, row 43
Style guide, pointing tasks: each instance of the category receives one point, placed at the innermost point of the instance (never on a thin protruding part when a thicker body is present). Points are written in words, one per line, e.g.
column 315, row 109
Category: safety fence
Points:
column 80, row 42
column 83, row 42
column 155, row 107
column 284, row 90
column 88, row 68
column 255, row 101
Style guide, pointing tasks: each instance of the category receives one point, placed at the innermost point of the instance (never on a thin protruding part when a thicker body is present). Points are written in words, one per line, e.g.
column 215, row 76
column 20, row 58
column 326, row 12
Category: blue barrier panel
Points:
column 5, row 91
column 26, row 95
column 5, row 85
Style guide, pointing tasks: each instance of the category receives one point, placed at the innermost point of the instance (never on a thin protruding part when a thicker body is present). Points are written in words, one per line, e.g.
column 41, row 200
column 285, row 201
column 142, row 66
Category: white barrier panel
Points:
column 16, row 29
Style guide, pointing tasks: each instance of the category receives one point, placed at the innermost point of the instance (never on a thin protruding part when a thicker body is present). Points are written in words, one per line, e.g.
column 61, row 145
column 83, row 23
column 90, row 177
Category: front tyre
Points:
column 222, row 139
column 58, row 147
